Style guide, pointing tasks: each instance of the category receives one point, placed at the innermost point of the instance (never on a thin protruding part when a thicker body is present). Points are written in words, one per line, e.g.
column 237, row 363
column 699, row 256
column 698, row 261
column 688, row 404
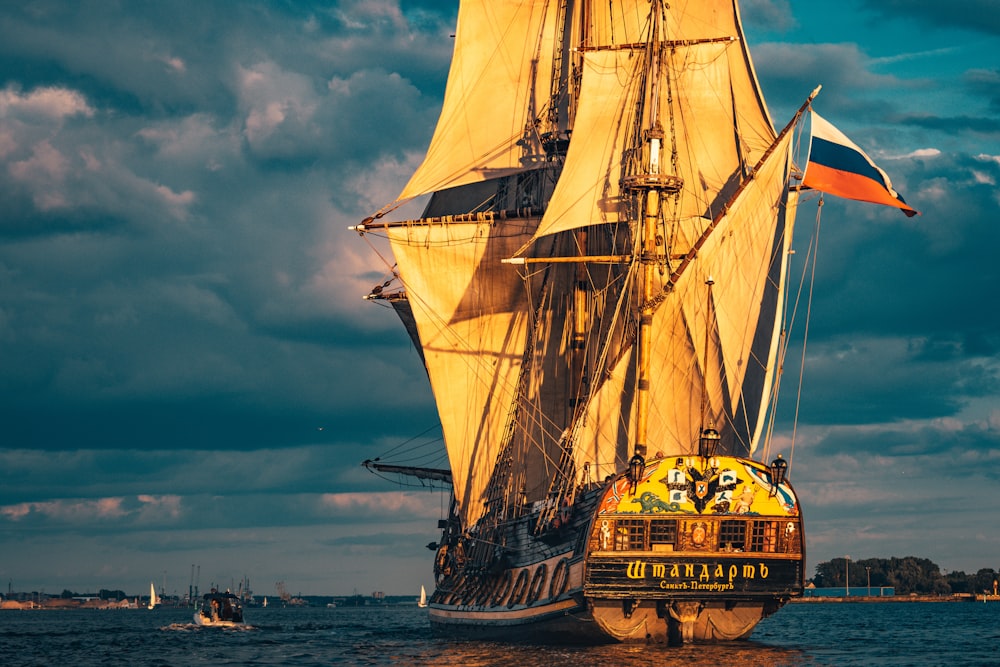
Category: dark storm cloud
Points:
column 974, row 15
column 985, row 83
column 955, row 124
column 789, row 72
column 897, row 333
column 179, row 226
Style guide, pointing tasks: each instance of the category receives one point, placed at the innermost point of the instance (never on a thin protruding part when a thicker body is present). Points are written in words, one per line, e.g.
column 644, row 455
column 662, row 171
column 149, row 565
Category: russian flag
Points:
column 837, row 166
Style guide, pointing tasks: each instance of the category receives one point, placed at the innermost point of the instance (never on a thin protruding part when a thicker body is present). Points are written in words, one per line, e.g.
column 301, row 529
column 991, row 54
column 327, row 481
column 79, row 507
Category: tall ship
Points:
column 596, row 288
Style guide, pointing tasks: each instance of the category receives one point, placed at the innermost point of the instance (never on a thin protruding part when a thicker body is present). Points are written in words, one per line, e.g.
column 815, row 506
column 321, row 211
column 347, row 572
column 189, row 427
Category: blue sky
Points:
column 188, row 373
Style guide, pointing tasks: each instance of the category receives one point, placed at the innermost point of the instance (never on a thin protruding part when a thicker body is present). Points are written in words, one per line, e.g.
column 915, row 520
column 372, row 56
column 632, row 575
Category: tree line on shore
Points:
column 907, row 575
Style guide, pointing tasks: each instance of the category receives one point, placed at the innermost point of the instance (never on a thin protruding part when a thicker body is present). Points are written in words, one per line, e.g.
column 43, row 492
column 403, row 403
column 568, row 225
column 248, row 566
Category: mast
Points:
column 650, row 187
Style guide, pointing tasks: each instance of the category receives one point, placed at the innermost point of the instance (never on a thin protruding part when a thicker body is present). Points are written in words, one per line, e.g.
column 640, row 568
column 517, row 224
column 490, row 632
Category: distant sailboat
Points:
column 153, row 600
column 422, row 602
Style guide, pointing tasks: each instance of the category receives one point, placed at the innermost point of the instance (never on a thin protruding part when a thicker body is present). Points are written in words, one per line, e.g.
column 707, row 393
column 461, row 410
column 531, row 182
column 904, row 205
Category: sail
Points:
column 737, row 323
column 498, row 87
column 709, row 96
column 523, row 363
column 471, row 317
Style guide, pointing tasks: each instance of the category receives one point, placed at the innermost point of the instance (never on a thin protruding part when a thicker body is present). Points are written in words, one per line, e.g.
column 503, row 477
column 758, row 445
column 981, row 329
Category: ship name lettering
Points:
column 636, row 570
column 694, row 575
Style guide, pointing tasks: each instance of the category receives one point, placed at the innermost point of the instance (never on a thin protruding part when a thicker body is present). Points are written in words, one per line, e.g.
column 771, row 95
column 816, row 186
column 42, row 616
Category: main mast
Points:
column 649, row 187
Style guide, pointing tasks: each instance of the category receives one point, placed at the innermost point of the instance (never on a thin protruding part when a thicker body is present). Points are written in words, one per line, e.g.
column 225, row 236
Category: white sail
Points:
column 153, row 599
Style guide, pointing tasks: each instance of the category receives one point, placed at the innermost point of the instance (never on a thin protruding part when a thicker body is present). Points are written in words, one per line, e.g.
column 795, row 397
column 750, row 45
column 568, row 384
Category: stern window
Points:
column 732, row 535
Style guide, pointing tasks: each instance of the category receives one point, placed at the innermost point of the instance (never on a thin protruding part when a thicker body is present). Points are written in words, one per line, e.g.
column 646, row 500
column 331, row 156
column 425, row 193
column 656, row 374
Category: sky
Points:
column 190, row 378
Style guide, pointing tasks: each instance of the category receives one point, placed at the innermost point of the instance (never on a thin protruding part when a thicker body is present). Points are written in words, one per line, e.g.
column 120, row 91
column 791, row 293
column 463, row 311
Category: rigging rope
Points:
column 805, row 334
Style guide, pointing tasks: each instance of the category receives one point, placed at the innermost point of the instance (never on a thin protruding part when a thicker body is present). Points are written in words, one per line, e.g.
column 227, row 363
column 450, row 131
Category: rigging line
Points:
column 769, row 261
column 625, row 295
column 398, row 481
column 391, row 266
column 427, row 458
column 546, row 420
column 805, row 334
column 411, row 439
column 790, row 321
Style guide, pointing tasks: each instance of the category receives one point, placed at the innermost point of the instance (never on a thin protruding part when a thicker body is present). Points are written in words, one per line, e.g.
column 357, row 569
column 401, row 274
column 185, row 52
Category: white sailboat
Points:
column 422, row 602
column 154, row 601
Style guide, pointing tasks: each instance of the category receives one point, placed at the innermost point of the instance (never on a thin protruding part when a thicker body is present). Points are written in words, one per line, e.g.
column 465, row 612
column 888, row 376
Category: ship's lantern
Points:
column 636, row 468
column 709, row 442
column 778, row 469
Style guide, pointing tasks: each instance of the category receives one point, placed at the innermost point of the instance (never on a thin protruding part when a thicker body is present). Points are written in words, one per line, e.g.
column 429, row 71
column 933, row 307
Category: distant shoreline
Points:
column 957, row 597
column 57, row 603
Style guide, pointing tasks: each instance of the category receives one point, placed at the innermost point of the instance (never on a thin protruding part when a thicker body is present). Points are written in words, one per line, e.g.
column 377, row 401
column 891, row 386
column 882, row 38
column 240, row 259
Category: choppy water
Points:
column 845, row 634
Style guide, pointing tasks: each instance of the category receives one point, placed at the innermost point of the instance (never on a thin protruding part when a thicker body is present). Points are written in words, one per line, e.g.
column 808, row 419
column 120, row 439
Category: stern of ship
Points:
column 693, row 548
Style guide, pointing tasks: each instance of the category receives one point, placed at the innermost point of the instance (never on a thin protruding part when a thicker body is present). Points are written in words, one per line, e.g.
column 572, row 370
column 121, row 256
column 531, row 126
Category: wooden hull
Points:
column 541, row 602
column 632, row 565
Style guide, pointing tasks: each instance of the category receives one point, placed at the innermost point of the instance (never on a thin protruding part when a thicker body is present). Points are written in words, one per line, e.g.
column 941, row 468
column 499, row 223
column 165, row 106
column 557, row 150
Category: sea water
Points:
column 918, row 634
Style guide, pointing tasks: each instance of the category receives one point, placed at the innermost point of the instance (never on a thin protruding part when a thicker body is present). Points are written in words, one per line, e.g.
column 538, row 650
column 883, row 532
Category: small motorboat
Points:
column 219, row 610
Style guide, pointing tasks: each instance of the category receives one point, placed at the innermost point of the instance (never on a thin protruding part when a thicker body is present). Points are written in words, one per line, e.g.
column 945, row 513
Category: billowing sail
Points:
column 709, row 101
column 745, row 258
column 498, row 87
column 472, row 321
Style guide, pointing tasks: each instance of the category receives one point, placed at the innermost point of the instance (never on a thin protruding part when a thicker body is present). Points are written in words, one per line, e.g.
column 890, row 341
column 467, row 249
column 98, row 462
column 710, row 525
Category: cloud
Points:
column 772, row 14
column 75, row 511
column 972, row 15
column 49, row 103
column 844, row 70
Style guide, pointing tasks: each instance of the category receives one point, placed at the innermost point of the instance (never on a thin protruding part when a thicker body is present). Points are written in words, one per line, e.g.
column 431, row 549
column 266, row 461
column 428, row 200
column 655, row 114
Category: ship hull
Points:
column 705, row 566
column 535, row 596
